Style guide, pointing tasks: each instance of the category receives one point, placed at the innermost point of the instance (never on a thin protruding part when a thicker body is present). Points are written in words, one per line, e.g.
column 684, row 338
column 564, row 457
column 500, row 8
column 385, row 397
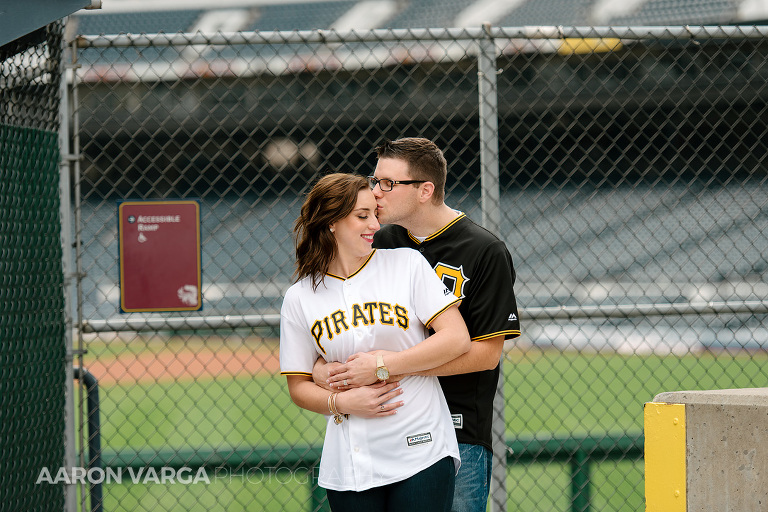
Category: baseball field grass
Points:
column 548, row 393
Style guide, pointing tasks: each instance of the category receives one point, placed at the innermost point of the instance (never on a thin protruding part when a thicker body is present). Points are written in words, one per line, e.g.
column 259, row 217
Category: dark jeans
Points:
column 428, row 490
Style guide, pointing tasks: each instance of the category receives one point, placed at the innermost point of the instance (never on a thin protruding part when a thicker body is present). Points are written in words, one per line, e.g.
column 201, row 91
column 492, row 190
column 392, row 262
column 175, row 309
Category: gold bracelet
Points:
column 337, row 416
column 332, row 404
column 341, row 415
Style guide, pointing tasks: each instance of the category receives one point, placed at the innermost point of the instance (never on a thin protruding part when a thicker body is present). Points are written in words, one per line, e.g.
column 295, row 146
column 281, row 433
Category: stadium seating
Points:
column 428, row 13
column 676, row 12
column 300, row 16
column 137, row 22
column 321, row 14
column 549, row 12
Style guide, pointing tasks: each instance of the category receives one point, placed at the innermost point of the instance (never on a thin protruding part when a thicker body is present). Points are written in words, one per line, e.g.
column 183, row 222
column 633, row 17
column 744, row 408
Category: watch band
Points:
column 382, row 372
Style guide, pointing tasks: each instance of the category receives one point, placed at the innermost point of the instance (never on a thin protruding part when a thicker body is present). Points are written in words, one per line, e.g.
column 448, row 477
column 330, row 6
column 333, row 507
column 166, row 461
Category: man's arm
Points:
column 449, row 340
column 482, row 355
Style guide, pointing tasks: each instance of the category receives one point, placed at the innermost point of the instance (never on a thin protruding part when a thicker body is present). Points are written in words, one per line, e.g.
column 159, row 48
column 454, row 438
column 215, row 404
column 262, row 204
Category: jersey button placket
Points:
column 361, row 458
column 363, row 465
column 349, row 299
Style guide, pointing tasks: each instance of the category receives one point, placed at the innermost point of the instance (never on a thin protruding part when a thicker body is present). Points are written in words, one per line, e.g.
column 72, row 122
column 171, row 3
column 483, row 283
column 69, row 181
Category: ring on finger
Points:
column 382, row 407
column 345, row 382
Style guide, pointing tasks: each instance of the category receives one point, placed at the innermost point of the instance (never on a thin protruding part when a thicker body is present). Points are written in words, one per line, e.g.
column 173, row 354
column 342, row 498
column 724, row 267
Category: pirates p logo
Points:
column 453, row 278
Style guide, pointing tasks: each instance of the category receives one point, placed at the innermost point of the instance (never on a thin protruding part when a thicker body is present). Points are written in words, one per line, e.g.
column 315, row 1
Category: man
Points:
column 409, row 186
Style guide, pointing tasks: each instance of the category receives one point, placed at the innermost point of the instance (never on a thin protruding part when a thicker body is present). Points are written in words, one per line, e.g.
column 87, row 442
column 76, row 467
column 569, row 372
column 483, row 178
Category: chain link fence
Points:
column 624, row 168
column 32, row 376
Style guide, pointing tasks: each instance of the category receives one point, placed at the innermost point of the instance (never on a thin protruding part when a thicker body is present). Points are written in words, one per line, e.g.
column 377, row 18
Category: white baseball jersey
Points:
column 387, row 305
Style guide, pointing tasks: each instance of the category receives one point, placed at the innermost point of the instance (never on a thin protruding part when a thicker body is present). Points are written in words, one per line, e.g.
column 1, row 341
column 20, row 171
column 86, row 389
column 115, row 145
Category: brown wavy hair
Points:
column 332, row 198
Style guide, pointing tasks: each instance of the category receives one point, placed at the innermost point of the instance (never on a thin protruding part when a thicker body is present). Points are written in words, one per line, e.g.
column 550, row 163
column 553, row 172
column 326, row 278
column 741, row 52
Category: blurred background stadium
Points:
column 141, row 16
column 619, row 149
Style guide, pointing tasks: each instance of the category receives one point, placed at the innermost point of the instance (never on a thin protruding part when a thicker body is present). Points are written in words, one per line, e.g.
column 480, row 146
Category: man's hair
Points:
column 331, row 199
column 425, row 161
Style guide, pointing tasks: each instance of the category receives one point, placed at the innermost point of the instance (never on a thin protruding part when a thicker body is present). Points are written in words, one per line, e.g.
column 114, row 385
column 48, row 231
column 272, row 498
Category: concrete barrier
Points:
column 707, row 451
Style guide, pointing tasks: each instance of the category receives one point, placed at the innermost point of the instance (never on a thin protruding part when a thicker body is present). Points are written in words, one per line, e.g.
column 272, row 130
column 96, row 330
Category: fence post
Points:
column 65, row 189
column 489, row 203
column 488, row 114
column 74, row 159
column 580, row 484
column 94, row 432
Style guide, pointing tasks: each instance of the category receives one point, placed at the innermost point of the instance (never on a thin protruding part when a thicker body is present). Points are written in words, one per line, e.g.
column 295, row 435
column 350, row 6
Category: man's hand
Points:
column 358, row 370
column 320, row 374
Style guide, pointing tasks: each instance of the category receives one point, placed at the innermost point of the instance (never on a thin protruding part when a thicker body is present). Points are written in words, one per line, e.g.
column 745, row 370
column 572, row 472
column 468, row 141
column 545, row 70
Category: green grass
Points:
column 580, row 394
column 547, row 393
column 209, row 414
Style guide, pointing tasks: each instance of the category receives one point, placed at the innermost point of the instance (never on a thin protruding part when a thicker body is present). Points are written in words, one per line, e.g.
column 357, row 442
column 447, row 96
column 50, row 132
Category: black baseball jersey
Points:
column 477, row 267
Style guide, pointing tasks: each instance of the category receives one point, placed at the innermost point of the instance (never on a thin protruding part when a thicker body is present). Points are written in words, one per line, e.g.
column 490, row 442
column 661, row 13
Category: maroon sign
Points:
column 160, row 267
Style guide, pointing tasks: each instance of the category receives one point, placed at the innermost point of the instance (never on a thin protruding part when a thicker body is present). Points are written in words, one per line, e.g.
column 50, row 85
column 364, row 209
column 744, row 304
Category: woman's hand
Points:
column 370, row 401
column 358, row 370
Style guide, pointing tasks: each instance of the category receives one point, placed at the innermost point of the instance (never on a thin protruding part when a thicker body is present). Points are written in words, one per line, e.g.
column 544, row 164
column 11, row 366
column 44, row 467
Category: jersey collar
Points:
column 356, row 271
column 439, row 231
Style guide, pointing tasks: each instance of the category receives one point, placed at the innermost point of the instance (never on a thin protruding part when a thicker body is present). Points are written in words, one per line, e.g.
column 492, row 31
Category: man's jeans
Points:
column 473, row 483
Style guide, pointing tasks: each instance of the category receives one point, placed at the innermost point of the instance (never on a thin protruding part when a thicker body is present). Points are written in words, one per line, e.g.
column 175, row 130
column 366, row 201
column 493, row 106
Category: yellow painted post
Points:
column 665, row 476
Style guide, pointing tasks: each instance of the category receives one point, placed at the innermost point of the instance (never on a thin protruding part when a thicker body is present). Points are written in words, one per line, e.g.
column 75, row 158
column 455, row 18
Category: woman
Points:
column 379, row 453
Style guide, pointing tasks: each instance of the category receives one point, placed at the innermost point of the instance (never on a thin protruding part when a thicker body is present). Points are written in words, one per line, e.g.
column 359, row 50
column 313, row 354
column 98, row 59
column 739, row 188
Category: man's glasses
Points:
column 386, row 185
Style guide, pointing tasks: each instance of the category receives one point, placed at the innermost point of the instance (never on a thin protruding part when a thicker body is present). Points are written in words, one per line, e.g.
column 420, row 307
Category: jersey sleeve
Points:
column 430, row 295
column 493, row 308
column 297, row 348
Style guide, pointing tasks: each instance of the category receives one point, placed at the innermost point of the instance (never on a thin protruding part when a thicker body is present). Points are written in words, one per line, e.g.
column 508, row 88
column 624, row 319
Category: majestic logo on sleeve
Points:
column 453, row 278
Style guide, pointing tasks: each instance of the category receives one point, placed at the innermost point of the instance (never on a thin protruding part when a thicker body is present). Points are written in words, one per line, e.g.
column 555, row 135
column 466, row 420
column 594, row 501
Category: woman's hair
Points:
column 332, row 198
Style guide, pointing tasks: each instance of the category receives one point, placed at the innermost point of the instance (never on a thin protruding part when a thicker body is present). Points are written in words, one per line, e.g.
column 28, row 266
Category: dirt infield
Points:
column 182, row 364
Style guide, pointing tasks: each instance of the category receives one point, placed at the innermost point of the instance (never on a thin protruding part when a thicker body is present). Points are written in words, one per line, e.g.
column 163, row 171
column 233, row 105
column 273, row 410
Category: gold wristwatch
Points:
column 381, row 371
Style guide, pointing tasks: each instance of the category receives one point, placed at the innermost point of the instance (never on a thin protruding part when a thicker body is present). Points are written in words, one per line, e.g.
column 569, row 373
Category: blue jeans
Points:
column 428, row 490
column 473, row 483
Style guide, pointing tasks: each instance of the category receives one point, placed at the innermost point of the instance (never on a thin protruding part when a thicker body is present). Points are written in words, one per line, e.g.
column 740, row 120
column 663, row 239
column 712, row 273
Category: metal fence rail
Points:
column 624, row 167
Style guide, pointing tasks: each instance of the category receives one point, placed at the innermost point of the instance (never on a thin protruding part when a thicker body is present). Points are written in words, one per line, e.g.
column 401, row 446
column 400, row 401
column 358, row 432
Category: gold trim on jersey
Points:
column 356, row 271
column 439, row 231
column 428, row 322
column 305, row 374
column 484, row 337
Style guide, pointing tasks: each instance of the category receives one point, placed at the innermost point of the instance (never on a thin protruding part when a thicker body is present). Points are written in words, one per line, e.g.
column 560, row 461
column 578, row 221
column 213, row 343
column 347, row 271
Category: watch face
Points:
column 382, row 373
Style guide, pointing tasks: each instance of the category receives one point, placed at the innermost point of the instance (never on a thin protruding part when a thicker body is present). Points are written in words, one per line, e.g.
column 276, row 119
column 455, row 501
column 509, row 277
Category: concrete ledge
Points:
column 745, row 396
column 726, row 449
